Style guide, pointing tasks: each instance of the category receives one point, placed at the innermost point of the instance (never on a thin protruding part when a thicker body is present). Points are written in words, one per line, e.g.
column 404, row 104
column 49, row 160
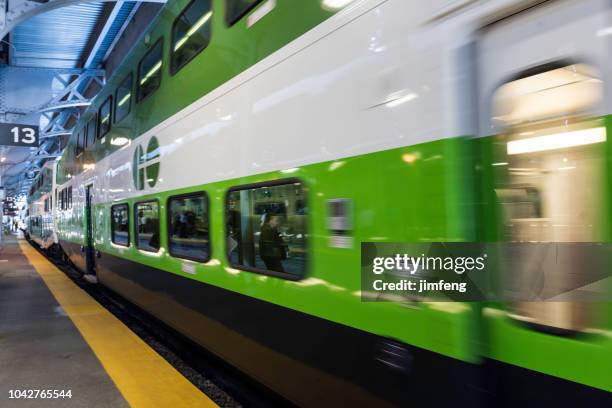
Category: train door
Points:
column 542, row 91
column 89, row 242
column 544, row 105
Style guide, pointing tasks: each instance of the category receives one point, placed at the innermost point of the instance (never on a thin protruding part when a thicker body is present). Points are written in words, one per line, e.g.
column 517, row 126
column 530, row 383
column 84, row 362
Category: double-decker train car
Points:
column 40, row 221
column 226, row 174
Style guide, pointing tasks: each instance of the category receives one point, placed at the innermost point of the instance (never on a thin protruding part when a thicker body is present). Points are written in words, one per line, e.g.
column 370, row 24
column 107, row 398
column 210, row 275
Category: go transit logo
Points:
column 145, row 165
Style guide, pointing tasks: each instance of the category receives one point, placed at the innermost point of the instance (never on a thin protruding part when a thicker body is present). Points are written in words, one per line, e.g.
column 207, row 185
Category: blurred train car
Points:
column 39, row 224
column 225, row 176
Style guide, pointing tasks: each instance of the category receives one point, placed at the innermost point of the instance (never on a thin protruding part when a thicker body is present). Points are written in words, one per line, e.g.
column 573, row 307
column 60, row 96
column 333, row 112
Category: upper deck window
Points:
column 91, row 131
column 123, row 99
column 191, row 33
column 149, row 71
column 79, row 142
column 236, row 9
column 104, row 117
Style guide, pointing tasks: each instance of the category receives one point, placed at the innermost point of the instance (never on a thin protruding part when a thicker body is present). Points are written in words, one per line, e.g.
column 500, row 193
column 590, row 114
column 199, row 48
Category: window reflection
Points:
column 267, row 228
column 188, row 227
column 120, row 224
column 147, row 226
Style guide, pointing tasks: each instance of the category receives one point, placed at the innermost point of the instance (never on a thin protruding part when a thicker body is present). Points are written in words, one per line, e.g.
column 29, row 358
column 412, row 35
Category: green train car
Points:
column 226, row 174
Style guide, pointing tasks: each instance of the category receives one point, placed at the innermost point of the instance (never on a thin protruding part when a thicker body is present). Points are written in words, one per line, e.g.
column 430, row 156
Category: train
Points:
column 225, row 176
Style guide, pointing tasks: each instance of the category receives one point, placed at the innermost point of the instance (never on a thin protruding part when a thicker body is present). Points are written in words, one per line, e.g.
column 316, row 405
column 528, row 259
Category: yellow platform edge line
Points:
column 142, row 376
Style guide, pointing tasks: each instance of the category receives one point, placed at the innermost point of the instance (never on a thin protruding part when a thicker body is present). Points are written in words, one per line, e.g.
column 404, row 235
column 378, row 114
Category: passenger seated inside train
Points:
column 266, row 228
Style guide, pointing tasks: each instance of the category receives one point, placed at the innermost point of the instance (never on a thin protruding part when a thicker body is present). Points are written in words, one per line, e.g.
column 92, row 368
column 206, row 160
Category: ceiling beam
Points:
column 19, row 11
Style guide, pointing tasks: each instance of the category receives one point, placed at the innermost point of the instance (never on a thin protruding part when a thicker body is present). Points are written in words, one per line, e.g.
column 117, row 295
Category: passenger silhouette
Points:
column 272, row 248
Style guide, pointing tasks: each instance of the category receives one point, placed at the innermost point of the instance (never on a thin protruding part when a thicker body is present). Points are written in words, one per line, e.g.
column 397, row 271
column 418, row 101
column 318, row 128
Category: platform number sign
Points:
column 18, row 135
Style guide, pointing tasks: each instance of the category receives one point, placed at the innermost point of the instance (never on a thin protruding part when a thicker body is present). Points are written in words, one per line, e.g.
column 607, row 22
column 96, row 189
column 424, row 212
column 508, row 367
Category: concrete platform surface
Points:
column 53, row 336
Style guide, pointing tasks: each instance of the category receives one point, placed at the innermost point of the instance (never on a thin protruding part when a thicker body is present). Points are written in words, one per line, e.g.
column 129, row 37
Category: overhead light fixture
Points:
column 557, row 141
column 2, row 159
column 560, row 92
column 119, row 141
column 335, row 4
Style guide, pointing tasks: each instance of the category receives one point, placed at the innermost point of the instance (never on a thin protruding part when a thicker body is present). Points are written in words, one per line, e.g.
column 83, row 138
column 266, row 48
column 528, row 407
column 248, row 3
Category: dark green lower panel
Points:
column 313, row 361
column 306, row 359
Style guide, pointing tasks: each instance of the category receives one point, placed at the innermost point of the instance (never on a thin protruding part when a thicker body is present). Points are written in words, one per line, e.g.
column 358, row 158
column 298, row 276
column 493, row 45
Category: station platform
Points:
column 54, row 336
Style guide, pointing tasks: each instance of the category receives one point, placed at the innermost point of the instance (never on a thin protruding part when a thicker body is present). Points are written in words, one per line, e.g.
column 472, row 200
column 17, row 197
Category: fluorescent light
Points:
column 193, row 29
column 119, row 141
column 3, row 159
column 401, row 100
column 500, row 164
column 335, row 4
column 125, row 99
column 557, row 141
column 151, row 72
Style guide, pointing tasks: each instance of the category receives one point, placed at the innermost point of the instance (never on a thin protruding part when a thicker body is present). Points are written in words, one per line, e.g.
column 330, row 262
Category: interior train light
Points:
column 125, row 99
column 193, row 30
column 151, row 72
column 557, row 141
column 560, row 92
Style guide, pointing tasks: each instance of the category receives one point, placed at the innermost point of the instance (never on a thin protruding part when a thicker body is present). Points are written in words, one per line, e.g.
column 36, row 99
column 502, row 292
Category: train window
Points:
column 266, row 228
column 123, row 98
column 188, row 229
column 147, row 226
column 236, row 9
column 82, row 141
column 79, row 143
column 91, row 131
column 70, row 197
column 149, row 71
column 104, row 117
column 190, row 33
column 120, row 224
column 76, row 144
column 85, row 136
